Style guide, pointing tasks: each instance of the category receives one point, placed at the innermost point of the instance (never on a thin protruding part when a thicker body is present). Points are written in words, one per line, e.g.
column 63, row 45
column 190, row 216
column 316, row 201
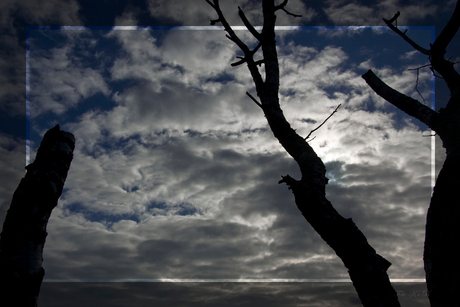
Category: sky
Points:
column 175, row 171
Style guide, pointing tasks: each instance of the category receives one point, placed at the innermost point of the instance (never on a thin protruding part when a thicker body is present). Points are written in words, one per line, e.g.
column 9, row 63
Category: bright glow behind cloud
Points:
column 176, row 164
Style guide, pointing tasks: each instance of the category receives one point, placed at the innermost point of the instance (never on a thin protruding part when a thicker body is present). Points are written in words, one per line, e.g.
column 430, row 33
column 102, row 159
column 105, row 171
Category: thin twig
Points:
column 242, row 61
column 253, row 99
column 248, row 54
column 259, row 62
column 419, row 67
column 416, row 87
column 282, row 7
column 395, row 17
column 248, row 24
column 403, row 35
column 289, row 13
column 416, row 82
column 434, row 74
column 323, row 122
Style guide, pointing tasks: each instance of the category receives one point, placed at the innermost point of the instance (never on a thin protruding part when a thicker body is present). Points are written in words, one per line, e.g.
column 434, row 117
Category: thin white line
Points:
column 27, row 96
column 177, row 280
column 433, row 106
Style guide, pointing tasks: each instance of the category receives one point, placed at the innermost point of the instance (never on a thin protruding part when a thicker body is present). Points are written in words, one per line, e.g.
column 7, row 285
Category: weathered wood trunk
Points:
column 442, row 238
column 366, row 268
column 24, row 230
column 442, row 265
column 441, row 256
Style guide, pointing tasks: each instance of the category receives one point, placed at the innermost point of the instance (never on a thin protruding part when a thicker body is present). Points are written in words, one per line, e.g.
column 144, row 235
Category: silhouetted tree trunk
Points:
column 366, row 268
column 24, row 230
column 441, row 258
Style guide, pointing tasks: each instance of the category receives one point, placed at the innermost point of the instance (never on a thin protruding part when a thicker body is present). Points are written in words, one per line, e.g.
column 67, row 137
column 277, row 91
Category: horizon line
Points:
column 202, row 280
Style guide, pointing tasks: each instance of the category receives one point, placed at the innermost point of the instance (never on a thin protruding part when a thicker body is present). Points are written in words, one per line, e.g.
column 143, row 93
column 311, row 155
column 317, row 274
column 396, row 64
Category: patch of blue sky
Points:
column 162, row 208
column 153, row 208
column 100, row 216
column 223, row 78
column 385, row 48
column 125, row 145
column 130, row 188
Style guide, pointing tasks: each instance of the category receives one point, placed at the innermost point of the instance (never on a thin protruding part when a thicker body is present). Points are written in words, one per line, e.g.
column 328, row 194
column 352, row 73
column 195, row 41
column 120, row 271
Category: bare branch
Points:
column 416, row 87
column 292, row 14
column 259, row 62
column 282, row 7
column 288, row 180
column 257, row 48
column 231, row 34
column 214, row 21
column 323, row 122
column 211, row 4
column 444, row 67
column 394, row 17
column 248, row 24
column 253, row 99
column 248, row 54
column 242, row 61
column 426, row 65
column 403, row 35
column 416, row 83
column 405, row 103
column 434, row 73
column 446, row 35
column 438, row 49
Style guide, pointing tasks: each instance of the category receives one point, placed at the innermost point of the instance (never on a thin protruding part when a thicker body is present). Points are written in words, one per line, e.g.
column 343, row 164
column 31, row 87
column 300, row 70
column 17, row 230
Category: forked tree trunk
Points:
column 366, row 268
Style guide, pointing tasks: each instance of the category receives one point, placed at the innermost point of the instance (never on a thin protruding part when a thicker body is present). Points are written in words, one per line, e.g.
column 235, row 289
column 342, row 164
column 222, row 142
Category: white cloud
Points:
column 59, row 82
column 199, row 12
column 409, row 12
column 36, row 12
column 353, row 14
column 128, row 18
column 409, row 55
column 346, row 12
column 14, row 16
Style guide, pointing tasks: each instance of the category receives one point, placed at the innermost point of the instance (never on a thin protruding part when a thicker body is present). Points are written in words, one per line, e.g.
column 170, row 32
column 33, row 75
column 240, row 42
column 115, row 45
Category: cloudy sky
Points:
column 175, row 170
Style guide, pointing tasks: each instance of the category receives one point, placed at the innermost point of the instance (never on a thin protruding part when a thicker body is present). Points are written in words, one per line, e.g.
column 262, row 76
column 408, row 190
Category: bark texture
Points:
column 366, row 268
column 24, row 230
column 442, row 238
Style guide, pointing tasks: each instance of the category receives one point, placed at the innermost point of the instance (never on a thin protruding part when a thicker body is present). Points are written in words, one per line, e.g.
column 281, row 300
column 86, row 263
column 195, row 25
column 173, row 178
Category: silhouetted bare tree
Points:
column 442, row 238
column 367, row 269
column 24, row 230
